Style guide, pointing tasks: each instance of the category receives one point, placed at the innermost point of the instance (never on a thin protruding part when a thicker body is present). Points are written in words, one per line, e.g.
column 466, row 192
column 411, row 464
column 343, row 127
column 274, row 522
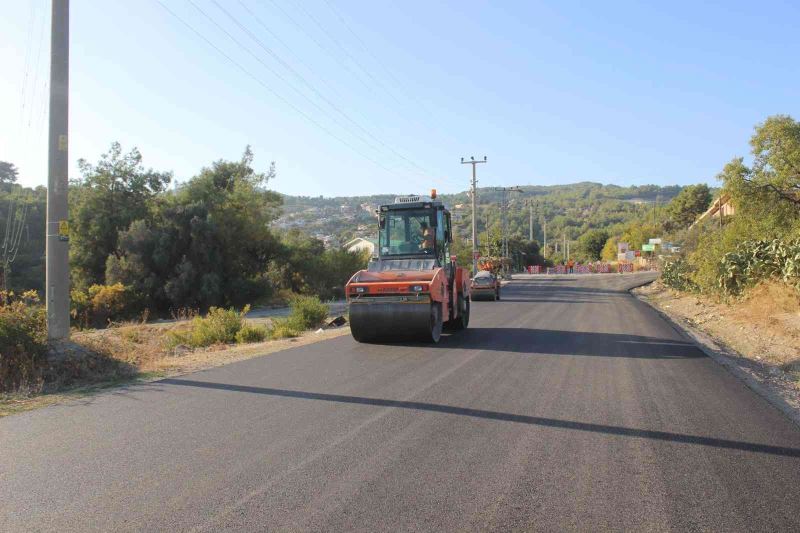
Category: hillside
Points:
column 569, row 209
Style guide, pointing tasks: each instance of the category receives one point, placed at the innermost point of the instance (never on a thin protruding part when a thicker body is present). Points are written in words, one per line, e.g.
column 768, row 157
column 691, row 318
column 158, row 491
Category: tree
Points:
column 208, row 244
column 530, row 251
column 8, row 172
column 684, row 209
column 111, row 195
column 609, row 252
column 776, row 165
column 591, row 243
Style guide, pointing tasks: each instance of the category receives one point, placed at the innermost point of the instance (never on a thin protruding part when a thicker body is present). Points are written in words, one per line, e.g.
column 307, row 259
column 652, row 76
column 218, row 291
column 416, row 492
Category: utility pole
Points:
column 503, row 211
column 544, row 227
column 474, row 189
column 655, row 209
column 57, row 232
column 530, row 221
column 488, row 251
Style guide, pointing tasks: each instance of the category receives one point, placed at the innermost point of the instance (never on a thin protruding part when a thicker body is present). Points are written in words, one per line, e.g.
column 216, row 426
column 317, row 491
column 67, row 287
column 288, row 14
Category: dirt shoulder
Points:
column 757, row 337
column 99, row 360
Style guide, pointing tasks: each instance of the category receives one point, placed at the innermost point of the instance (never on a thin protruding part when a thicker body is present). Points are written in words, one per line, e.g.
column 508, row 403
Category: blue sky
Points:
column 390, row 99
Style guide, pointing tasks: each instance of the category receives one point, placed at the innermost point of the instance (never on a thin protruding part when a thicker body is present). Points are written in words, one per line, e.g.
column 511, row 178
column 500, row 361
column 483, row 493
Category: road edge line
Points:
column 724, row 356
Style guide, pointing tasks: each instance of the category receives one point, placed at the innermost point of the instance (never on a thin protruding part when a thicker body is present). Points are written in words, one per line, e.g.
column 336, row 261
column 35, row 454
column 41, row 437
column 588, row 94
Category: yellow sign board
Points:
column 63, row 230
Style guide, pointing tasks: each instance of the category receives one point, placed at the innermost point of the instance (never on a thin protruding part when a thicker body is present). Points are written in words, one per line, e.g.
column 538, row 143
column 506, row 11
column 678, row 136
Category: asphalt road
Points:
column 568, row 405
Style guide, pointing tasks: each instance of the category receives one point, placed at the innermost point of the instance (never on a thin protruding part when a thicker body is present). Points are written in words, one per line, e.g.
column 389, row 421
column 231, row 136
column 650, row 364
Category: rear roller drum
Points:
column 436, row 324
column 462, row 320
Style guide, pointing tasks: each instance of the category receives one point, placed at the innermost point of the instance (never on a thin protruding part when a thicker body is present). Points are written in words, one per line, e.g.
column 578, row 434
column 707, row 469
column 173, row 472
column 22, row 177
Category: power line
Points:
column 319, row 44
column 348, row 54
column 295, row 89
column 271, row 90
column 369, row 51
column 348, row 67
column 26, row 67
column 314, row 89
column 397, row 83
column 282, row 42
column 36, row 68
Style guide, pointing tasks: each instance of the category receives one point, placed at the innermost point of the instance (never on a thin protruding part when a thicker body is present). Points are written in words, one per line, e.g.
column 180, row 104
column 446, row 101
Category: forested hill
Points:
column 572, row 209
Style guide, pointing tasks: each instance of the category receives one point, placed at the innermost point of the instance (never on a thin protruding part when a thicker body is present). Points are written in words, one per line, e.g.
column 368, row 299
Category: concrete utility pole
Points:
column 57, row 232
column 655, row 210
column 503, row 211
column 544, row 227
column 530, row 221
column 488, row 252
column 474, row 190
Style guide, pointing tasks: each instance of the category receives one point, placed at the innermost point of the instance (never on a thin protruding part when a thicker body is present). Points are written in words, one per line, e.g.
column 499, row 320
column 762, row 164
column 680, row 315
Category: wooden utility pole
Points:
column 474, row 191
column 57, row 232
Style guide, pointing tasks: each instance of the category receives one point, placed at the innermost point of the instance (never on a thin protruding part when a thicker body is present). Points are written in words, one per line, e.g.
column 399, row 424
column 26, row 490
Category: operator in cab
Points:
column 427, row 237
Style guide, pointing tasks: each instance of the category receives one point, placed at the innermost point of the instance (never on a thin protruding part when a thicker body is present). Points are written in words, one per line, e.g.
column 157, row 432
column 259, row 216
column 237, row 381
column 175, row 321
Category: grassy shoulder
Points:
column 762, row 325
column 94, row 360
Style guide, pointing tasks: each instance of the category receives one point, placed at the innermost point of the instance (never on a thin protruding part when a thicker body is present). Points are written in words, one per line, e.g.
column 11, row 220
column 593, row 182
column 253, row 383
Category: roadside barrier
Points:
column 598, row 267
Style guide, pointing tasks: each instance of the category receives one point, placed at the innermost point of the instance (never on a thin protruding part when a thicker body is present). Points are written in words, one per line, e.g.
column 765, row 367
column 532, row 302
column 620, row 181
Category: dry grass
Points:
column 96, row 360
column 763, row 325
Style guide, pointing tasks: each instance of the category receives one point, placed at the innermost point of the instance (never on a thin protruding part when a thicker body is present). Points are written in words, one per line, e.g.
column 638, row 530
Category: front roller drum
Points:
column 391, row 321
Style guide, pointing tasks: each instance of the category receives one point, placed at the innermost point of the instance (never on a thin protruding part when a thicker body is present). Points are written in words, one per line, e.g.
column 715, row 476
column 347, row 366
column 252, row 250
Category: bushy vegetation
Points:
column 100, row 304
column 286, row 328
column 753, row 261
column 249, row 334
column 138, row 246
column 23, row 341
column 228, row 326
column 219, row 326
column 676, row 274
column 759, row 242
column 305, row 267
column 308, row 311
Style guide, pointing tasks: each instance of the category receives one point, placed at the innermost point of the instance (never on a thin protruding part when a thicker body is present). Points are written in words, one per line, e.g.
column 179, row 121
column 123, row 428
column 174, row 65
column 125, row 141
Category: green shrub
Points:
column 219, row 326
column 284, row 328
column 755, row 261
column 23, row 341
column 307, row 312
column 250, row 334
column 100, row 304
column 677, row 274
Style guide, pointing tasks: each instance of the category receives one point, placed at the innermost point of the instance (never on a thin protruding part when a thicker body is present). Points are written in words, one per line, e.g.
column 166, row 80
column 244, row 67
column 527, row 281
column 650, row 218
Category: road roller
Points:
column 412, row 288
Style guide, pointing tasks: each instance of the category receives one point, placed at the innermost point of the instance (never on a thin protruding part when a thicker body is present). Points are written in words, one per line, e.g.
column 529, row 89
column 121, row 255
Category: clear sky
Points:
column 357, row 97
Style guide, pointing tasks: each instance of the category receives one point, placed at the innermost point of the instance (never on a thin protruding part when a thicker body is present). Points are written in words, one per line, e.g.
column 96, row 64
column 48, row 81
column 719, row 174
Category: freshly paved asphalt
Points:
column 568, row 405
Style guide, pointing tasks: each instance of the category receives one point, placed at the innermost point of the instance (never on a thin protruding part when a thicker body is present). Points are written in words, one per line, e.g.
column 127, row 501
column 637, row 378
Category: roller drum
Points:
column 376, row 321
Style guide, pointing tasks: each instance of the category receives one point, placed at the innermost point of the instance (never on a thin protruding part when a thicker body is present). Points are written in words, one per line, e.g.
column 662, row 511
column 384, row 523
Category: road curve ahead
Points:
column 568, row 405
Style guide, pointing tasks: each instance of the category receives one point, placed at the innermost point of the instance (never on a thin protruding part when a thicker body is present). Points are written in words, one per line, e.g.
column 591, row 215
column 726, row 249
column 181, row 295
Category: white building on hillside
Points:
column 360, row 244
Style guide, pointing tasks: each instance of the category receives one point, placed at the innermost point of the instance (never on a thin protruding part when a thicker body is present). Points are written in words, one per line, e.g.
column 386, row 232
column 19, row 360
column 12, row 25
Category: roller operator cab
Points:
column 413, row 289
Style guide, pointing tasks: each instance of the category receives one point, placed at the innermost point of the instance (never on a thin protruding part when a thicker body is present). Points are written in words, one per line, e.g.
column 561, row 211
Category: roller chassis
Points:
column 413, row 297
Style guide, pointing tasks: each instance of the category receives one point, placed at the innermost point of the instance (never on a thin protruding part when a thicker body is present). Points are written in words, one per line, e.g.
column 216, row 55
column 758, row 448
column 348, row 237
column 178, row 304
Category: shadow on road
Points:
column 556, row 342
column 495, row 415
